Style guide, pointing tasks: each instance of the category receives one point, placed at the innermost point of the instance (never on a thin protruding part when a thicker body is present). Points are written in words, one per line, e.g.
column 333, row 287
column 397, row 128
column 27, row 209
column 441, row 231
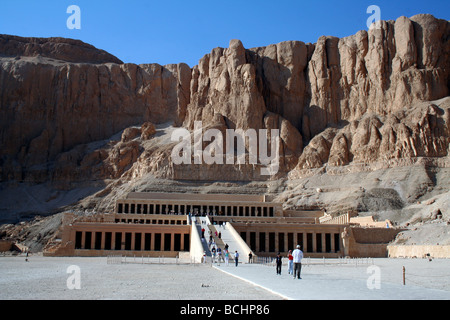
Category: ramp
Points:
column 229, row 236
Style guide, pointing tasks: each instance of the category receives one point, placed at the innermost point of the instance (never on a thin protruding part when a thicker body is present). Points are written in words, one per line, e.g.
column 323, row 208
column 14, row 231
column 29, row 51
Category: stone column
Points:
column 182, row 242
column 152, row 241
column 277, row 244
column 113, row 240
column 133, row 240
column 83, row 239
column 323, row 242
column 122, row 245
column 286, row 242
column 103, row 240
column 333, row 245
column 257, row 240
column 314, row 240
column 92, row 240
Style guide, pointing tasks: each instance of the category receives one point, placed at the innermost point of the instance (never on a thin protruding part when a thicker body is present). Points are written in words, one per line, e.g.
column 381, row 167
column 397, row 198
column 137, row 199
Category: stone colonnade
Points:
column 131, row 237
column 236, row 209
column 314, row 239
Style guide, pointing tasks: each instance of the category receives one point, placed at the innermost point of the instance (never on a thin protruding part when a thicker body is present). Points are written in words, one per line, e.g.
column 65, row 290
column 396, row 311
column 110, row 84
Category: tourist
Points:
column 250, row 257
column 213, row 254
column 227, row 257
column 290, row 263
column 297, row 258
column 236, row 258
column 204, row 256
column 278, row 261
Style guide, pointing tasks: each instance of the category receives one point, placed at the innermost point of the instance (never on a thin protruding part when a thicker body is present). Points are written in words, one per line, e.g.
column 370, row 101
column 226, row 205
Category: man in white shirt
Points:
column 298, row 256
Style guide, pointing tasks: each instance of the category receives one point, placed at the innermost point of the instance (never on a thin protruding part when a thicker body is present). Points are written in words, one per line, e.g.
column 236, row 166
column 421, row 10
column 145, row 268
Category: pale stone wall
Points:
column 370, row 222
column 368, row 242
column 419, row 251
column 237, row 237
column 194, row 197
column 362, row 250
column 196, row 246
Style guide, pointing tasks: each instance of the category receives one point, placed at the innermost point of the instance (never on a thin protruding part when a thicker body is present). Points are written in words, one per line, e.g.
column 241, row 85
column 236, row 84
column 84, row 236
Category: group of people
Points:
column 221, row 257
column 294, row 257
column 294, row 262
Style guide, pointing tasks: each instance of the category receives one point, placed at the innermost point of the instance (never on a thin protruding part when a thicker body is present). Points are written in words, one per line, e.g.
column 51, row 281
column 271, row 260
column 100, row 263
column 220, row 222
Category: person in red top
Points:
column 290, row 263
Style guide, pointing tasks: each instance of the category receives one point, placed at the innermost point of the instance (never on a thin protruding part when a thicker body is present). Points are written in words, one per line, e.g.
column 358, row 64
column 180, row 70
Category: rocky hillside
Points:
column 364, row 121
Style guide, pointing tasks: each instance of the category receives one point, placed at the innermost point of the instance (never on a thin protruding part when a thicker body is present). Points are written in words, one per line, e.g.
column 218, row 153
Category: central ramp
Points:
column 225, row 235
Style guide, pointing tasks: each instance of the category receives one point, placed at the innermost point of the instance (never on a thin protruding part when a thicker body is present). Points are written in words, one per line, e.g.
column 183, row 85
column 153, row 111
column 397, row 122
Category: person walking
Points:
column 213, row 254
column 290, row 263
column 227, row 257
column 278, row 261
column 236, row 258
column 297, row 258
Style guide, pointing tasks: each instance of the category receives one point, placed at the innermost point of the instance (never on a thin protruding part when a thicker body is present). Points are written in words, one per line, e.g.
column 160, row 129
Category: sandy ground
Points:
column 46, row 278
column 354, row 279
column 369, row 279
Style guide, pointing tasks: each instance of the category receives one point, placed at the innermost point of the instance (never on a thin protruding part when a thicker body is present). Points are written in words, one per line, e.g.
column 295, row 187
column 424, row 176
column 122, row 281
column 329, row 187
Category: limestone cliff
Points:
column 365, row 88
column 360, row 99
column 51, row 103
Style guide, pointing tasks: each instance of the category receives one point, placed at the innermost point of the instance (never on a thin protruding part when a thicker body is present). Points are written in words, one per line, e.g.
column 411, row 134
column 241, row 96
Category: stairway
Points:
column 219, row 242
column 227, row 238
column 202, row 224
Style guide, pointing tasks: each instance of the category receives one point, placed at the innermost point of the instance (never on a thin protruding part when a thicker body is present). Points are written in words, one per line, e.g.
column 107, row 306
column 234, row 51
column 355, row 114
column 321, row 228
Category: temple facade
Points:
column 166, row 224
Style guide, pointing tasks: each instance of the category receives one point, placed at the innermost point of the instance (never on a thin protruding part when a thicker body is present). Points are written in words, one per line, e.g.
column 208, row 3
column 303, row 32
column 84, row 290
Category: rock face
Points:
column 48, row 107
column 407, row 134
column 363, row 98
column 352, row 99
column 63, row 49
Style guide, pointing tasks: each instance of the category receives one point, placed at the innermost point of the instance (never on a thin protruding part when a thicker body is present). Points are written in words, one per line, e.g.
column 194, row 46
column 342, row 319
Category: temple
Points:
column 169, row 225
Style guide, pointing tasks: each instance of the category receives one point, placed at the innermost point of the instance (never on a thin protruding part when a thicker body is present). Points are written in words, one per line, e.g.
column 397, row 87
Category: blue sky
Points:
column 163, row 32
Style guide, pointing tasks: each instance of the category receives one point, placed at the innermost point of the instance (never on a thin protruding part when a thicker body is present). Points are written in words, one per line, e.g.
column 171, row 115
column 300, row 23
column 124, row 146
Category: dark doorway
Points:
column 157, row 241
column 118, row 242
column 271, row 241
column 108, row 236
column 167, row 241
column 78, row 237
column 98, row 241
column 88, row 240
column 137, row 241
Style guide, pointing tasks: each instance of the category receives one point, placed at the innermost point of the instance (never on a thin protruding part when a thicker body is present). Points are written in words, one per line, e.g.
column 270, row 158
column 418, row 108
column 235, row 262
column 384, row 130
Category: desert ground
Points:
column 52, row 278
